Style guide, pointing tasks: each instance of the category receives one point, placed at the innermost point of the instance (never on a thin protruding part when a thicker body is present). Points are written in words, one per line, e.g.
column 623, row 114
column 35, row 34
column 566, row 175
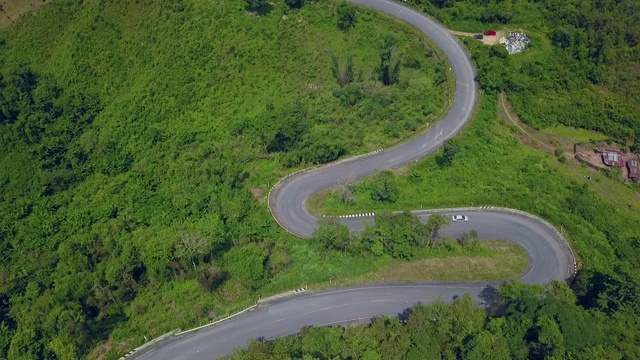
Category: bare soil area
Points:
column 487, row 40
column 12, row 10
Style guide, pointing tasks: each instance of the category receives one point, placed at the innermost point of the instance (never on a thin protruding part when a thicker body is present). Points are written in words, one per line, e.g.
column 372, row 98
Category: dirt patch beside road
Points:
column 12, row 10
column 487, row 40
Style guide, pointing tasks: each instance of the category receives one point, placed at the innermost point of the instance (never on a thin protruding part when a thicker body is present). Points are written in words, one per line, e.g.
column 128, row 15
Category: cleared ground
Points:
column 12, row 10
column 487, row 40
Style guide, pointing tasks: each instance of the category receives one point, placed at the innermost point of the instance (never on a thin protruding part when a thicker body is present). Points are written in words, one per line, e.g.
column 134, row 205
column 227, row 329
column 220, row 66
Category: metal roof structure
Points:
column 612, row 158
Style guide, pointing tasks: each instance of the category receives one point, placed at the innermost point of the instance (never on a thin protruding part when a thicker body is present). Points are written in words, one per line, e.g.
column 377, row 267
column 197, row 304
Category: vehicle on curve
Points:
column 459, row 218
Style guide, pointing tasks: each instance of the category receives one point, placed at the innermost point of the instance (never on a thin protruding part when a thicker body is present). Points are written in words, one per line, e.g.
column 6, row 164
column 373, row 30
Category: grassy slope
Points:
column 498, row 260
column 211, row 65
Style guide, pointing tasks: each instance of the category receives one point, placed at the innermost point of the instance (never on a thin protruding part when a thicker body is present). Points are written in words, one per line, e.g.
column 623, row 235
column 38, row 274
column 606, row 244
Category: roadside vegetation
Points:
column 523, row 322
column 139, row 140
column 396, row 247
column 565, row 79
column 492, row 260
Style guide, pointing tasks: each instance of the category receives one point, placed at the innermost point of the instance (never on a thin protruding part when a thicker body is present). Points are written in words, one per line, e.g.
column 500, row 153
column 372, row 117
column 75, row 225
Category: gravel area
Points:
column 516, row 43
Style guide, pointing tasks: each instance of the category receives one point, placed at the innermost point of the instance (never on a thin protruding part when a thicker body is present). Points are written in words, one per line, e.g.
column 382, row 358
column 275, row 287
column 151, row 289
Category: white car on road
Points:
column 459, row 218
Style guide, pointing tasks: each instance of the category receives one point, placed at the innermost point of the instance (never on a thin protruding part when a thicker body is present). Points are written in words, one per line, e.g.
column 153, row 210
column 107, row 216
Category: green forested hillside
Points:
column 583, row 68
column 139, row 140
column 132, row 134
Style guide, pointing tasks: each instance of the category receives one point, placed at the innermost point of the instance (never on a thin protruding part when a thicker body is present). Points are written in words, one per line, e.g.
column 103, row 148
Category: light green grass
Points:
column 579, row 135
column 491, row 260
column 503, row 260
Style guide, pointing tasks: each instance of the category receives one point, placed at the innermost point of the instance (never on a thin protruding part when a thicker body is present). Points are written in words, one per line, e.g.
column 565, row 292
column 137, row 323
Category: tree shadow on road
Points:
column 491, row 301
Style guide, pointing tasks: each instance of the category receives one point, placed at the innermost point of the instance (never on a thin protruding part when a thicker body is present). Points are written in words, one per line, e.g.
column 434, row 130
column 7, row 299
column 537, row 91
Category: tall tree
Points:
column 346, row 15
column 385, row 188
column 192, row 247
column 345, row 76
column 435, row 223
column 449, row 151
column 388, row 72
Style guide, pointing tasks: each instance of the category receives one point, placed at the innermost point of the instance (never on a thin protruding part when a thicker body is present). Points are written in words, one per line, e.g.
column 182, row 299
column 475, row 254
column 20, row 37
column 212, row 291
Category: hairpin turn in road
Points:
column 550, row 257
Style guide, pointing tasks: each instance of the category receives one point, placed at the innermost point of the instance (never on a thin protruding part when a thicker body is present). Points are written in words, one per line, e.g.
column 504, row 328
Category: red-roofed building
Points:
column 612, row 158
column 634, row 169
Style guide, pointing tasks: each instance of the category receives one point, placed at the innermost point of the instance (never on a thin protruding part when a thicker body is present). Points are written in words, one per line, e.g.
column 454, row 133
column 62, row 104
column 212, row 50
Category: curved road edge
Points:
column 286, row 199
column 549, row 252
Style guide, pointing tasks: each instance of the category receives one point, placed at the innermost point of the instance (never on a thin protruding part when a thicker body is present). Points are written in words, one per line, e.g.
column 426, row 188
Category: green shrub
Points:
column 385, row 188
column 346, row 15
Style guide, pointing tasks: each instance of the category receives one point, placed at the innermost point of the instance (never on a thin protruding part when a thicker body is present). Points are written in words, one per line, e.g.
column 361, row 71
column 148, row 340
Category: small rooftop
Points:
column 634, row 169
column 612, row 158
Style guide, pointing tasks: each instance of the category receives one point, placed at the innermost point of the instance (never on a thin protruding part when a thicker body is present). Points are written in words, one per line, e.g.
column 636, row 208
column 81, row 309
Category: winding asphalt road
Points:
column 550, row 257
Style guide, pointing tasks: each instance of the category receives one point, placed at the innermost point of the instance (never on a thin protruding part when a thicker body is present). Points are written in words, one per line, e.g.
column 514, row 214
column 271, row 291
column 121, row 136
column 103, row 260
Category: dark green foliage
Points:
column 5, row 338
column 322, row 145
column 212, row 278
column 247, row 264
column 399, row 235
column 449, row 151
column 350, row 95
column 295, row 4
column 345, row 76
column 255, row 5
column 385, row 188
column 442, row 3
column 346, row 15
column 290, row 125
column 331, row 235
column 609, row 293
column 635, row 148
column 388, row 72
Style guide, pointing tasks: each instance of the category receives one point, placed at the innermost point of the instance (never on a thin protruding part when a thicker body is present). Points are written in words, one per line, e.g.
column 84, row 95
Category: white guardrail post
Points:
column 152, row 342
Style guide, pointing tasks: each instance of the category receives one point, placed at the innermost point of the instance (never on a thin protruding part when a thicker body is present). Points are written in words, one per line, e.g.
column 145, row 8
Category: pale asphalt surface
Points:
column 548, row 259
